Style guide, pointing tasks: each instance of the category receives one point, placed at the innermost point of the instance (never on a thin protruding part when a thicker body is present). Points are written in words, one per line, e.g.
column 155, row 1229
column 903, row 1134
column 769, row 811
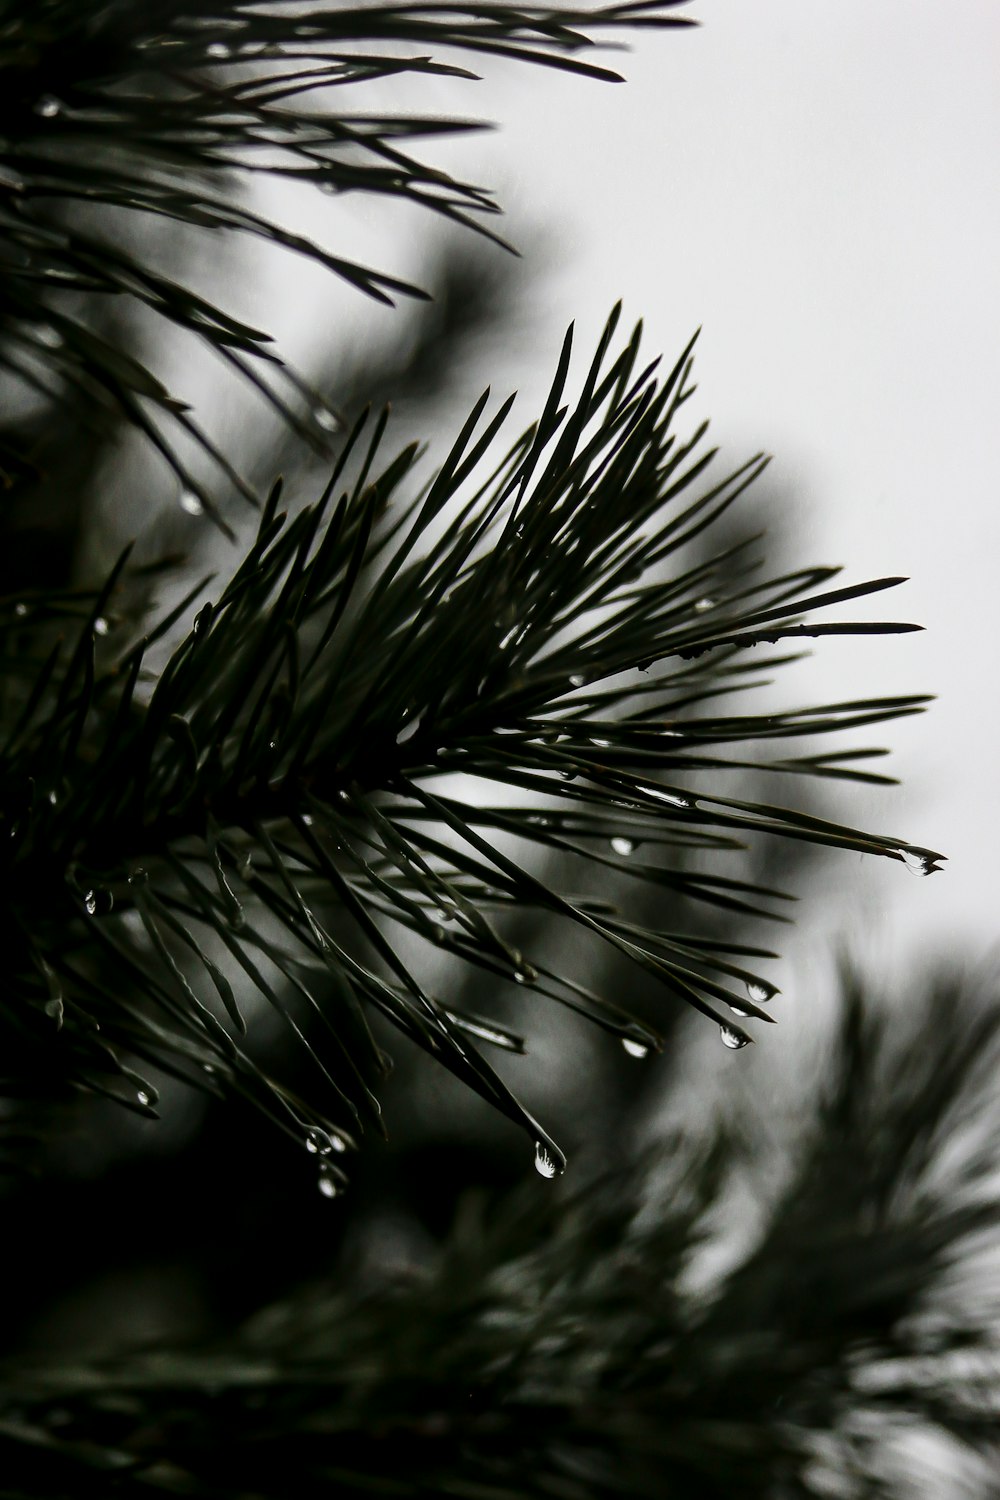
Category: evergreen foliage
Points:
column 437, row 704
column 288, row 750
column 570, row 1346
column 496, row 619
column 114, row 115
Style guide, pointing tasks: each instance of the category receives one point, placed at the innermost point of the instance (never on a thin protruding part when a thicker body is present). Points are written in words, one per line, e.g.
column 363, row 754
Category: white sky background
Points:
column 817, row 185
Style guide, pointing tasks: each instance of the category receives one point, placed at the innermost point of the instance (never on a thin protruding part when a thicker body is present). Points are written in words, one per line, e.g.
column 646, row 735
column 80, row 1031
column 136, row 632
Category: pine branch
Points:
column 565, row 1347
column 111, row 113
column 522, row 628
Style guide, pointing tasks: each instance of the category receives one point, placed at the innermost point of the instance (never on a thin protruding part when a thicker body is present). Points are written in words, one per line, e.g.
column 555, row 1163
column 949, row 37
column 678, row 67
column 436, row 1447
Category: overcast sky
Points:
column 818, row 186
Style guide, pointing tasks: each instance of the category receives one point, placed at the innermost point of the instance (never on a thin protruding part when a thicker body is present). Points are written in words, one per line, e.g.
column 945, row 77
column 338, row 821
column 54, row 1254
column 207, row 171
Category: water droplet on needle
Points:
column 760, row 991
column 545, row 1164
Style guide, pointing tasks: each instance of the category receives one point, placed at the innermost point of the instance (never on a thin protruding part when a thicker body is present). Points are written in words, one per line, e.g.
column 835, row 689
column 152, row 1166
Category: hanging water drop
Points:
column 53, row 797
column 545, row 1164
column 634, row 1048
column 733, row 1039
column 570, row 773
column 90, row 902
column 327, row 1185
column 325, row 418
column 318, row 1142
column 218, row 49
column 49, row 336
column 623, row 846
column 101, row 626
column 920, row 861
column 143, row 1097
column 48, row 107
column 525, row 974
column 760, row 991
column 702, row 605
column 20, row 610
column 191, row 503
column 738, row 1011
column 577, row 679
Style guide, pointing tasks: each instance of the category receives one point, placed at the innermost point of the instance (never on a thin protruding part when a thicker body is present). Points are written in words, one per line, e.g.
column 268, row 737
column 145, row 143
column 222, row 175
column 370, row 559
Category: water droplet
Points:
column 101, row 626
column 438, row 934
column 191, row 502
column 90, row 902
column 143, row 1097
column 318, row 1142
column 569, row 773
column 525, row 974
column 738, row 1010
column 307, row 819
column 447, row 911
column 20, row 610
column 327, row 1185
column 920, row 861
column 701, row 605
column 138, row 876
column 408, row 731
column 48, row 107
column 623, row 846
column 218, row 49
column 673, row 798
column 53, row 797
column 577, row 679
column 634, row 1048
column 760, row 991
column 342, row 796
column 546, row 1165
column 601, row 744
column 733, row 1039
column 325, row 418
column 49, row 336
